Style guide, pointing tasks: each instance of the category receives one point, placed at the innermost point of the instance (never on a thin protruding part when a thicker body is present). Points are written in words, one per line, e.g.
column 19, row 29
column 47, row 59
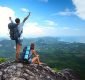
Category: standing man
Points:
column 20, row 30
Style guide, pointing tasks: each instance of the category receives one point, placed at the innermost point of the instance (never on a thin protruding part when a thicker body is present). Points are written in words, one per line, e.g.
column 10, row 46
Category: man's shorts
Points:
column 30, row 60
column 18, row 41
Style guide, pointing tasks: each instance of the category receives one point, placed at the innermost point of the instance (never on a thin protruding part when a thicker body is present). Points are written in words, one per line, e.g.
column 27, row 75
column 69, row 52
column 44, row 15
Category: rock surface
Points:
column 23, row 71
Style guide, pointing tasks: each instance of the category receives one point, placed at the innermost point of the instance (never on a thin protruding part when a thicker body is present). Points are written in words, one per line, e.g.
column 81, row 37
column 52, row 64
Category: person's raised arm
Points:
column 26, row 17
column 10, row 19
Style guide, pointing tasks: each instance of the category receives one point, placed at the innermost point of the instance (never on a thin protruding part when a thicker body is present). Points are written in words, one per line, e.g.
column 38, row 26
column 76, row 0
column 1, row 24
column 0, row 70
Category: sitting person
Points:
column 35, row 58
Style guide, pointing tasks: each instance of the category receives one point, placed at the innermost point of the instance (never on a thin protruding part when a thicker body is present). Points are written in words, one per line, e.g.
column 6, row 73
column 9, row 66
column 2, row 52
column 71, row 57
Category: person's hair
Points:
column 32, row 46
column 17, row 20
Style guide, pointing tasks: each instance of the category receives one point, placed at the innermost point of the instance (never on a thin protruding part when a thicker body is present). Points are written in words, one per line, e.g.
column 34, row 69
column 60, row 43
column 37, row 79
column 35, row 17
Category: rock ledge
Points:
column 23, row 71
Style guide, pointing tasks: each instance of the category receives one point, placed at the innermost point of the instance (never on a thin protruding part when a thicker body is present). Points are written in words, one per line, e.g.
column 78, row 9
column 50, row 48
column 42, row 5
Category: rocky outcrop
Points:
column 23, row 71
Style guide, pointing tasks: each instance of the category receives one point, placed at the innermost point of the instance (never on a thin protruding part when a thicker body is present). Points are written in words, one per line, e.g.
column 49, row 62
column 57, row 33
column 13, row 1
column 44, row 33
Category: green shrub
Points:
column 3, row 60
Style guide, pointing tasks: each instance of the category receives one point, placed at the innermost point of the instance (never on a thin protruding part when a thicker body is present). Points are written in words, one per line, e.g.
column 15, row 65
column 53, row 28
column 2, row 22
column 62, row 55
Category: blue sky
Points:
column 48, row 17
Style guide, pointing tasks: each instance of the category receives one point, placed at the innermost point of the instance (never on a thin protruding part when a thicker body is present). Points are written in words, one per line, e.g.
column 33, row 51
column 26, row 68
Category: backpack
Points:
column 14, row 32
column 26, row 54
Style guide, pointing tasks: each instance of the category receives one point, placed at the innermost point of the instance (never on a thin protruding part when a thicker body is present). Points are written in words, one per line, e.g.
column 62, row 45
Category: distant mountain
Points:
column 57, row 53
column 42, row 44
column 80, row 39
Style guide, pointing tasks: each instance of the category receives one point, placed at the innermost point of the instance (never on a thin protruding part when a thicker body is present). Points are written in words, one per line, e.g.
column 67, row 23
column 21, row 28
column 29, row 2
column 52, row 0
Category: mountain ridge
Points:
column 57, row 54
column 22, row 71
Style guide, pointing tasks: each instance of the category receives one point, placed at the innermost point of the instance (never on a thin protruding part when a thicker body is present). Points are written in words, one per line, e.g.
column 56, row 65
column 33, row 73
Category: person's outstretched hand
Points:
column 9, row 18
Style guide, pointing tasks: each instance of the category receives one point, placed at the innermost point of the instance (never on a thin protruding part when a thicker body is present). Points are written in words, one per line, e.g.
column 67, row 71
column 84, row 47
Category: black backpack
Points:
column 14, row 32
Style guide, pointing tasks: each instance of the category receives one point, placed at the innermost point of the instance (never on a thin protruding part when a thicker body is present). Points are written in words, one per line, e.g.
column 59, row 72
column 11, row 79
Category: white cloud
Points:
column 50, row 23
column 5, row 13
column 35, row 29
column 32, row 29
column 66, row 12
column 24, row 10
column 80, row 8
column 66, row 31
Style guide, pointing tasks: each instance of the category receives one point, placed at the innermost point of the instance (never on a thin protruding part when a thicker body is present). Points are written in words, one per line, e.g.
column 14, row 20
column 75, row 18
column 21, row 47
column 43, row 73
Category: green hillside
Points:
column 57, row 54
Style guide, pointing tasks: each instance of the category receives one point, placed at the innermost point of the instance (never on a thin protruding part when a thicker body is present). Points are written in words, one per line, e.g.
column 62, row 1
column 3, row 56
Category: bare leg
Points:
column 36, row 60
column 18, row 47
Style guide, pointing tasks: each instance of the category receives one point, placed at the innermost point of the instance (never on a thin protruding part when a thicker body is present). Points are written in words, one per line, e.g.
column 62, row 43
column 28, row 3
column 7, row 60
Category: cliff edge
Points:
column 22, row 71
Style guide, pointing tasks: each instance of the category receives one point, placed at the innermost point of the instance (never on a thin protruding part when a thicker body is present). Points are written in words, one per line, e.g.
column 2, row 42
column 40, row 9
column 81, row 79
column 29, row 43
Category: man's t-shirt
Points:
column 20, row 28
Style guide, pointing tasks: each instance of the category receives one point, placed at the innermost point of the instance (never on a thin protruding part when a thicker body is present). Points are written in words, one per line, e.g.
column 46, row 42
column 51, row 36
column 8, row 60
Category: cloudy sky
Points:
column 48, row 17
